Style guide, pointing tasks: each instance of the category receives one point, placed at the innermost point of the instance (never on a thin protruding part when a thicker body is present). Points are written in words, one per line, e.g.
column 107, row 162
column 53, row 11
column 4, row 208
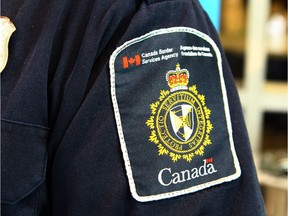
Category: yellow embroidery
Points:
column 180, row 121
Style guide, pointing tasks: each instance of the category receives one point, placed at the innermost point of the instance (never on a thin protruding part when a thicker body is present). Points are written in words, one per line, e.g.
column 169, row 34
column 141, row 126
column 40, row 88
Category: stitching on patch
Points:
column 129, row 171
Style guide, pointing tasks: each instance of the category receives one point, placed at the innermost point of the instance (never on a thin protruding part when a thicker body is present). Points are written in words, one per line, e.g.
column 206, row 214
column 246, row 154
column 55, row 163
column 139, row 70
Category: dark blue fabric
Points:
column 57, row 77
column 24, row 153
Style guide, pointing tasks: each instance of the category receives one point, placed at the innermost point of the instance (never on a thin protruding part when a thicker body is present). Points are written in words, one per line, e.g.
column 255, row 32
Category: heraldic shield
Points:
column 181, row 117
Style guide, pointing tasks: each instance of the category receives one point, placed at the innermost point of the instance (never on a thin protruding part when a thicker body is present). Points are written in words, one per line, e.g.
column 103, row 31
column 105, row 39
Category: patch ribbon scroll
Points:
column 172, row 114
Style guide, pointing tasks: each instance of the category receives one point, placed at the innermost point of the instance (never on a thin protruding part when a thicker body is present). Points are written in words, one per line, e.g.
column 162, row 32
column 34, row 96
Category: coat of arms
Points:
column 180, row 119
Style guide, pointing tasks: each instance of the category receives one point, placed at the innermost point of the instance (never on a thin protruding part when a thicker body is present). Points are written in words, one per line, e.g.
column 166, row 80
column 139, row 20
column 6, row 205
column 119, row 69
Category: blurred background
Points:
column 254, row 37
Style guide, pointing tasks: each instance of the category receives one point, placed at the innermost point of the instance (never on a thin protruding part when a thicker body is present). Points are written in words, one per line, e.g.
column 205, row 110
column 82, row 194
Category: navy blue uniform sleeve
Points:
column 61, row 151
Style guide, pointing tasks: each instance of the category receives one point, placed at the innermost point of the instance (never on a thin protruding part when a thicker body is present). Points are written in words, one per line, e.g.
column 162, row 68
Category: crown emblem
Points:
column 177, row 79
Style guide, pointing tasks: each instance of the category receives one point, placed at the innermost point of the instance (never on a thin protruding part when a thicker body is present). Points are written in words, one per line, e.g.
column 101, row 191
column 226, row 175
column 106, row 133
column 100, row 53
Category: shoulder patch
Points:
column 172, row 113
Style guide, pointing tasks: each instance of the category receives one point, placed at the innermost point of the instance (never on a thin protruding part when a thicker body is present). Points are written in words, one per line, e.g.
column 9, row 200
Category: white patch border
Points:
column 119, row 124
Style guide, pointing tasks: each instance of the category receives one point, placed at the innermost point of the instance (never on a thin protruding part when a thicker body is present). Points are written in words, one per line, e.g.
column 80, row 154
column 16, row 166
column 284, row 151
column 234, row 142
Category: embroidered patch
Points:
column 172, row 114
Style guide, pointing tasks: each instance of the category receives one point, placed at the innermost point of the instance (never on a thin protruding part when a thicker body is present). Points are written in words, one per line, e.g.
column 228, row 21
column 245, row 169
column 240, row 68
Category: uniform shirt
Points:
column 62, row 152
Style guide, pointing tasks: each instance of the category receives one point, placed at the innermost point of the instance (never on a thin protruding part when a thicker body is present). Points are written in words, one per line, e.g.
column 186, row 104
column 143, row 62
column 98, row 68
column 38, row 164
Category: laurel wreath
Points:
column 161, row 147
